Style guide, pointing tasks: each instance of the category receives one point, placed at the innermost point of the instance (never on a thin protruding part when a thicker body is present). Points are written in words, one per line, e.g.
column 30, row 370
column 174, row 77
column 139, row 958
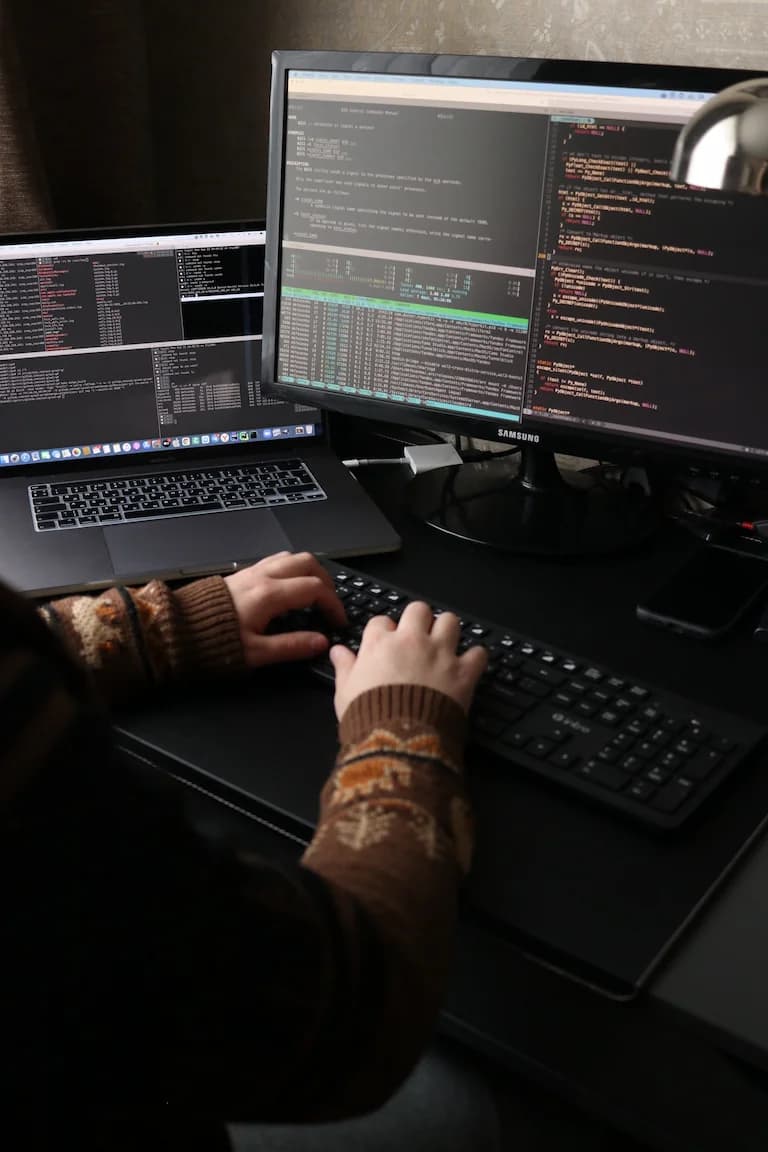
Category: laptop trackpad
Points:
column 185, row 545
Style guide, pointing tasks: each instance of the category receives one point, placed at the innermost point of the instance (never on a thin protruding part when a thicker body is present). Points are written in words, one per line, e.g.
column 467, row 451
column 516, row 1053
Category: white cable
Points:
column 384, row 460
column 420, row 458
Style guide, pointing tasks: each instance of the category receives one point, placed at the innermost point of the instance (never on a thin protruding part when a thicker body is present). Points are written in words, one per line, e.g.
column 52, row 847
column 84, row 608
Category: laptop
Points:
column 135, row 439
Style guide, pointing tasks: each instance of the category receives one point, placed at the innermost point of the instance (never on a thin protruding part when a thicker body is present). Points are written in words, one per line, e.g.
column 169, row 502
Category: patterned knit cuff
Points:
column 405, row 706
column 210, row 628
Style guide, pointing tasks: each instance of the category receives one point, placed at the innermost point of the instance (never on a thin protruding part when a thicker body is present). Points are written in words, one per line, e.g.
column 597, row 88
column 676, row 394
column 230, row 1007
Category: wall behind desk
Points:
column 724, row 32
column 156, row 110
column 727, row 33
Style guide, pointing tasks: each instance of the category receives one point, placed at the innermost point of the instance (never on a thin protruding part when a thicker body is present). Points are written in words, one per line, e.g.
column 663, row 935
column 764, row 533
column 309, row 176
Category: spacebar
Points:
column 147, row 515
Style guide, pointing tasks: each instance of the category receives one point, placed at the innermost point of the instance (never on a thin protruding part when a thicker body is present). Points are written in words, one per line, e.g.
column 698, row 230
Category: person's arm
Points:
column 394, row 838
column 132, row 639
column 320, row 984
column 241, row 990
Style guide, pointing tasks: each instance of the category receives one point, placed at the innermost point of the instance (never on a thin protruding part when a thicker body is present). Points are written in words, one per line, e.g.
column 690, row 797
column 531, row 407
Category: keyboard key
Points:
column 544, row 672
column 516, row 739
column 622, row 740
column 563, row 758
column 670, row 798
column 210, row 507
column 606, row 775
column 577, row 687
column 699, row 766
column 658, row 775
column 555, row 733
column 534, row 687
column 632, row 763
column 641, row 789
column 638, row 692
column 502, row 695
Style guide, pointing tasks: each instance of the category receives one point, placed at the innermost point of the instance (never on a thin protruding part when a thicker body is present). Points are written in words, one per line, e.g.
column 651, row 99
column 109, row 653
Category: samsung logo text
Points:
column 509, row 434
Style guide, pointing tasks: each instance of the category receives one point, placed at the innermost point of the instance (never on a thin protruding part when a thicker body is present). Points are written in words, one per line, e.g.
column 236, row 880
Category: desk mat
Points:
column 581, row 889
column 590, row 893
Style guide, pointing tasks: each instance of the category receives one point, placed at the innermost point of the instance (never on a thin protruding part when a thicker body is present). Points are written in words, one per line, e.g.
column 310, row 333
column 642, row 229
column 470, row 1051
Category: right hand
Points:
column 420, row 649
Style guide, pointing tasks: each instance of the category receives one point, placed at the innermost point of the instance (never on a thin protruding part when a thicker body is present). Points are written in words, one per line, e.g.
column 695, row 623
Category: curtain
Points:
column 23, row 199
column 75, row 139
column 132, row 111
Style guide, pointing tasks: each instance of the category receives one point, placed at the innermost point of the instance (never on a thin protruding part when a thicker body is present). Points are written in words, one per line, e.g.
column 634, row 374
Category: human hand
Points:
column 420, row 649
column 282, row 583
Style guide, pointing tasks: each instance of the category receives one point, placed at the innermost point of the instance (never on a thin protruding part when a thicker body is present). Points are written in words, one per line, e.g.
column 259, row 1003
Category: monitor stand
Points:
column 524, row 503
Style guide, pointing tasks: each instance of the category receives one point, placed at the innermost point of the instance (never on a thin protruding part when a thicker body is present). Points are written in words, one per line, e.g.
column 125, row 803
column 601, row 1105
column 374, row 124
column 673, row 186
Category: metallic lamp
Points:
column 725, row 144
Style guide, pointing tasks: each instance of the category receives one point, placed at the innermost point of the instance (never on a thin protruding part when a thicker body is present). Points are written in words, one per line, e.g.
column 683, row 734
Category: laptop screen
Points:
column 121, row 343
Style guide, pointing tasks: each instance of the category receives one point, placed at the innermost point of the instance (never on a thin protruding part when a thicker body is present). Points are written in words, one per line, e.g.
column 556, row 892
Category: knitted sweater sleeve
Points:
column 132, row 638
column 394, row 838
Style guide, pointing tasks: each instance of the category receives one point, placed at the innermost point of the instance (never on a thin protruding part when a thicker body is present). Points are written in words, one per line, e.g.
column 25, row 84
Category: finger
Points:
column 377, row 625
column 290, row 593
column 267, row 560
column 474, row 661
column 284, row 647
column 417, row 617
column 447, row 628
column 342, row 659
column 297, row 564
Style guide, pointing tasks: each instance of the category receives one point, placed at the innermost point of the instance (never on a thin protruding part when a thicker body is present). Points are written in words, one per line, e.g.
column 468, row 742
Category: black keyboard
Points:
column 127, row 499
column 643, row 750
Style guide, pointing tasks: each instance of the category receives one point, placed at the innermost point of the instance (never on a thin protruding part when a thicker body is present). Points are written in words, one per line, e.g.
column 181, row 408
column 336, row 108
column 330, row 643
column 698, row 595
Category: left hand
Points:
column 282, row 583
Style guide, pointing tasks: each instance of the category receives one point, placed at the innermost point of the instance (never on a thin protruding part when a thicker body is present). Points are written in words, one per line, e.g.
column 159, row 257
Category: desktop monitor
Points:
column 493, row 248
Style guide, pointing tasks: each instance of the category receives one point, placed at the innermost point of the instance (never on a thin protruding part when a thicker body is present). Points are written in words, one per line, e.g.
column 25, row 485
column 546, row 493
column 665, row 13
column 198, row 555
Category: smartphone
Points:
column 707, row 596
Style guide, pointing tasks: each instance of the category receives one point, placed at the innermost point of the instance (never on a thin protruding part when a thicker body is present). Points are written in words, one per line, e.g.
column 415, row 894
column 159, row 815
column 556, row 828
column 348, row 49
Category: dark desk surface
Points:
column 715, row 981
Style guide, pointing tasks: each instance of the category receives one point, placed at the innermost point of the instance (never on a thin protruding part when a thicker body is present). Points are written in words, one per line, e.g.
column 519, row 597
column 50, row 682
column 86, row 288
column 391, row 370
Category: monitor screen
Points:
column 493, row 247
column 117, row 342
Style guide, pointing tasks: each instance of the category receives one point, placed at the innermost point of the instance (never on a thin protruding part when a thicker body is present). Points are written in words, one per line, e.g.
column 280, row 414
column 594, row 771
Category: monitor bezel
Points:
column 579, row 441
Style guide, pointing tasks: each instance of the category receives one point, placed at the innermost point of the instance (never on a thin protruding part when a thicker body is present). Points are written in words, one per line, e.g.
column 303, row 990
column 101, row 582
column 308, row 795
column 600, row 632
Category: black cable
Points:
column 473, row 455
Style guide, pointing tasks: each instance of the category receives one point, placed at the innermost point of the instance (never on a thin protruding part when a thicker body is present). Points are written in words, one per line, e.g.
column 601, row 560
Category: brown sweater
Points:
column 179, row 985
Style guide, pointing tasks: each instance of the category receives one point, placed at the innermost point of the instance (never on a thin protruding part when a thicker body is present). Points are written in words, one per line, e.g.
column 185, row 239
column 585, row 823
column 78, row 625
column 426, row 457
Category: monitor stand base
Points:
column 526, row 504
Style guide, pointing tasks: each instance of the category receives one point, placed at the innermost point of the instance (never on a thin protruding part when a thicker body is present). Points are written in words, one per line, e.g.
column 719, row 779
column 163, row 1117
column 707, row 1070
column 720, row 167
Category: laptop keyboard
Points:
column 648, row 753
column 128, row 499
